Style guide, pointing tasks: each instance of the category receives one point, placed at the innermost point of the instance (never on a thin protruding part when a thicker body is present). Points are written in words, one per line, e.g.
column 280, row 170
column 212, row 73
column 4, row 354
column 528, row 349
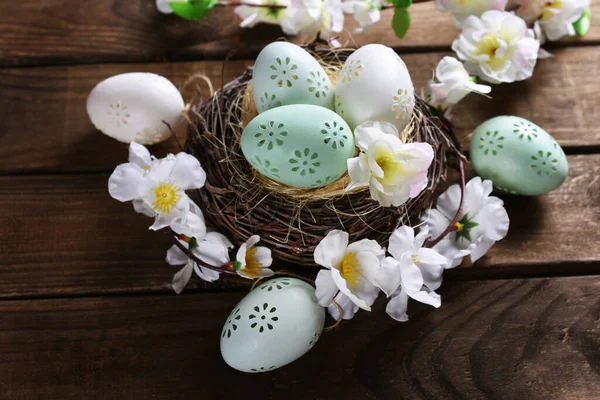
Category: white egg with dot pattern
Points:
column 275, row 324
column 374, row 85
column 132, row 107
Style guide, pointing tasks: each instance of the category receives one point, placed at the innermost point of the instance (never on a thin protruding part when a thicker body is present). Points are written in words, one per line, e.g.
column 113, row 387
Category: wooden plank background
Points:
column 86, row 309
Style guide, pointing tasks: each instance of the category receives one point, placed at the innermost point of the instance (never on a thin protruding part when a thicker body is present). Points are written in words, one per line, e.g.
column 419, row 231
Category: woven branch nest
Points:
column 240, row 202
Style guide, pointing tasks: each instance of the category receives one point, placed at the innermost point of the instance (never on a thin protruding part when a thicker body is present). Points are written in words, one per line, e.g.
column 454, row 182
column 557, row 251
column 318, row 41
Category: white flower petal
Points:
column 214, row 249
column 206, row 274
column 396, row 307
column 401, row 242
column 340, row 282
column 139, row 155
column 125, row 181
column 187, row 172
column 263, row 256
column 331, row 250
column 175, row 256
column 325, row 287
column 430, row 298
column 141, row 207
column 348, row 308
column 388, row 276
column 182, row 277
column 412, row 279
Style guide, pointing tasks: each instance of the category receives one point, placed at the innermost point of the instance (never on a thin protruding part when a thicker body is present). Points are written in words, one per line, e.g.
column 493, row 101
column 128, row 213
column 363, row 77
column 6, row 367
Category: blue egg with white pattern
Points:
column 518, row 156
column 285, row 74
column 299, row 145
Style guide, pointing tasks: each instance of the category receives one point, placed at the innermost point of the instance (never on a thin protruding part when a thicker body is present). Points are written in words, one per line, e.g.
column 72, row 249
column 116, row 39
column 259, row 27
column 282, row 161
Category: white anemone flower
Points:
column 365, row 12
column 395, row 171
column 555, row 17
column 209, row 247
column 413, row 271
column 461, row 9
column 253, row 261
column 253, row 15
column 314, row 17
column 159, row 185
column 454, row 83
column 482, row 222
column 498, row 47
column 351, row 270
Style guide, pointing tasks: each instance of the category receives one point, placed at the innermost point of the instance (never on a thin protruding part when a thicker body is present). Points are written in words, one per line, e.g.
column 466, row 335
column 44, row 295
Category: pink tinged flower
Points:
column 313, row 17
column 461, row 9
column 157, row 186
column 365, row 12
column 393, row 170
column 349, row 274
column 253, row 15
column 454, row 83
column 482, row 223
column 498, row 47
column 558, row 16
column 413, row 271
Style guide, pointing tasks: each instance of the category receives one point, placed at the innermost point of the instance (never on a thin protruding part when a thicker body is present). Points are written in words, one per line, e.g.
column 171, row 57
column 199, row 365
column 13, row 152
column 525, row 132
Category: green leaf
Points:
column 582, row 25
column 193, row 9
column 401, row 21
column 401, row 3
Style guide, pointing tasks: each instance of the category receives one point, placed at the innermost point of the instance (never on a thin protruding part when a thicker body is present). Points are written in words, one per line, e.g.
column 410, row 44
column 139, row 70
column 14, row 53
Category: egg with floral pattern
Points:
column 275, row 324
column 299, row 145
column 518, row 156
column 374, row 85
column 134, row 107
column 285, row 73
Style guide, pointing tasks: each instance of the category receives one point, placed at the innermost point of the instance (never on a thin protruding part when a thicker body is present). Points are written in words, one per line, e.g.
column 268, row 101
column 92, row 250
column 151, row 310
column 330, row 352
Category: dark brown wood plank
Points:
column 44, row 125
column 530, row 339
column 49, row 32
column 63, row 235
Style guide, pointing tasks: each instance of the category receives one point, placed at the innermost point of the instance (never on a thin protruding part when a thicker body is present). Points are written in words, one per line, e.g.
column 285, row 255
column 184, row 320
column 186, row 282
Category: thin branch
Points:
column 452, row 226
column 224, row 269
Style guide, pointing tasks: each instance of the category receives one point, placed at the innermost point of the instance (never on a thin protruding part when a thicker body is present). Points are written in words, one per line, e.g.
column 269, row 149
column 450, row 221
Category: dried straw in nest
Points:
column 240, row 202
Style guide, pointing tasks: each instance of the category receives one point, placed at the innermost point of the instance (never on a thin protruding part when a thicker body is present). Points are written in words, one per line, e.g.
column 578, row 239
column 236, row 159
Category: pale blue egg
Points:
column 299, row 145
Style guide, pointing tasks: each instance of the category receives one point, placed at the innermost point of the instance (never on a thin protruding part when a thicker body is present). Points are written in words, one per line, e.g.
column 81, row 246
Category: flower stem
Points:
column 452, row 227
column 226, row 269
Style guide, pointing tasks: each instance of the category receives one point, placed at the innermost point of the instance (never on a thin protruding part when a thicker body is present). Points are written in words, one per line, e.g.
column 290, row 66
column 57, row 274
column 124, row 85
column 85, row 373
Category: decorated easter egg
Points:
column 300, row 145
column 374, row 85
column 132, row 107
column 287, row 74
column 518, row 156
column 275, row 324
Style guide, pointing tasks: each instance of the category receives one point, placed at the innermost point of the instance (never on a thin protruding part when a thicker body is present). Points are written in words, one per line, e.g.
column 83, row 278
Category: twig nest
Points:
column 291, row 221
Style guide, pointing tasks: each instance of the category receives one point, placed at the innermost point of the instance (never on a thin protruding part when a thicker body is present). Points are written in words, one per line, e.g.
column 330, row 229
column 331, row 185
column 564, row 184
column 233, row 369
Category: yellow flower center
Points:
column 166, row 196
column 415, row 259
column 488, row 45
column 350, row 270
column 392, row 169
column 459, row 227
column 548, row 7
column 253, row 267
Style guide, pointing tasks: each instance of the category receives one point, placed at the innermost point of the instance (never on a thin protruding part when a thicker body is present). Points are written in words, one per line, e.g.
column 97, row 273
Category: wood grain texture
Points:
column 50, row 32
column 63, row 235
column 44, row 125
column 509, row 339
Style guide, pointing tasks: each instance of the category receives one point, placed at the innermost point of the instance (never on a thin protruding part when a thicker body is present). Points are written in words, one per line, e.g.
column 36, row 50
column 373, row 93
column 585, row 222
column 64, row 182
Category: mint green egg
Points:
column 518, row 156
column 285, row 74
column 299, row 145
